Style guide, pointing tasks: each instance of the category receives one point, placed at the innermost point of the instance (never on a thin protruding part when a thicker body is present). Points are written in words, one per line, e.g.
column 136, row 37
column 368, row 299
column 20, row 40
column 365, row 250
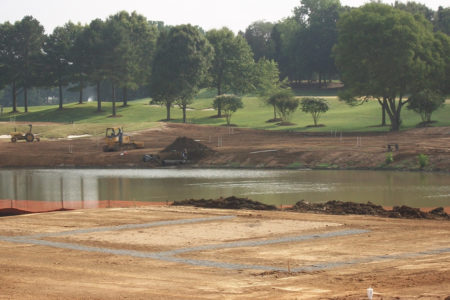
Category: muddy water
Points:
column 279, row 187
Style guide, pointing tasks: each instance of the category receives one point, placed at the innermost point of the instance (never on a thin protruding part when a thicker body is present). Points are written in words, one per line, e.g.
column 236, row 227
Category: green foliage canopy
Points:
column 384, row 53
column 285, row 103
column 315, row 106
column 230, row 103
column 181, row 64
column 425, row 103
column 233, row 64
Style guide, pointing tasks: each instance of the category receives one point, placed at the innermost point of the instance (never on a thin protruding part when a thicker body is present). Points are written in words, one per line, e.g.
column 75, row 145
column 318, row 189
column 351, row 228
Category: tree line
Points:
column 391, row 53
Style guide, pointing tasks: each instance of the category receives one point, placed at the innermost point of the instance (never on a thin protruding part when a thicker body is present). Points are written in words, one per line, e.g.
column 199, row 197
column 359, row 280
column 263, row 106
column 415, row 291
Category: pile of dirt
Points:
column 343, row 208
column 194, row 150
column 340, row 208
column 4, row 212
column 227, row 203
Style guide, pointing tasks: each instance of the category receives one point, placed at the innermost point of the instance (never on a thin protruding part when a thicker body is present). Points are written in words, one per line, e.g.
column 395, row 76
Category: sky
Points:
column 208, row 14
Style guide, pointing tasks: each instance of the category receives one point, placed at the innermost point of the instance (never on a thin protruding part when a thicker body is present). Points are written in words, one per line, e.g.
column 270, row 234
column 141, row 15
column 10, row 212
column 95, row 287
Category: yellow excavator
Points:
column 27, row 136
column 115, row 140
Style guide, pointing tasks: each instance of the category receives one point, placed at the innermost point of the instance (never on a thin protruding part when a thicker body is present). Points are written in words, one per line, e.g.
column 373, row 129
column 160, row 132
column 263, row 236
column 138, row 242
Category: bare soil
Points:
column 142, row 253
column 236, row 147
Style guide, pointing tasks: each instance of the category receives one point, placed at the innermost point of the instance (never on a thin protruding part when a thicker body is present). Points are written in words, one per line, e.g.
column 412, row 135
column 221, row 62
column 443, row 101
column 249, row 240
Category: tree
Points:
column 181, row 64
column 416, row 8
column 81, row 61
column 90, row 46
column 285, row 48
column 316, row 36
column 59, row 61
column 27, row 41
column 425, row 103
column 268, row 82
column 384, row 53
column 229, row 103
column 315, row 106
column 442, row 21
column 232, row 65
column 258, row 36
column 119, row 61
column 285, row 103
column 134, row 42
column 9, row 61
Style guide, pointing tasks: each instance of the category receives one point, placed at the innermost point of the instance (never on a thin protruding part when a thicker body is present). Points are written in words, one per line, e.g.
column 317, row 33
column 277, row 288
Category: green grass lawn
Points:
column 83, row 119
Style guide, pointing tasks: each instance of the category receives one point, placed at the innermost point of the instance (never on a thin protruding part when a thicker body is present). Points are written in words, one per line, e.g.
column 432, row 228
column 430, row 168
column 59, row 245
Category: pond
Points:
column 278, row 187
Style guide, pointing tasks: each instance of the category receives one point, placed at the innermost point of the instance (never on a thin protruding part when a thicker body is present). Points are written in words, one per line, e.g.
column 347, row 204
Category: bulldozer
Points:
column 27, row 136
column 115, row 140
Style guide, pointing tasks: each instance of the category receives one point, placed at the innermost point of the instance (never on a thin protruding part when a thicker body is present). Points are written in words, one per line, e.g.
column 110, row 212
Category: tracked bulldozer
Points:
column 116, row 140
column 27, row 136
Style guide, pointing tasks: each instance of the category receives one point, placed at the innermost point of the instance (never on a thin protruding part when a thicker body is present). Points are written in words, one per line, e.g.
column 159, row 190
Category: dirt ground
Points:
column 235, row 147
column 167, row 252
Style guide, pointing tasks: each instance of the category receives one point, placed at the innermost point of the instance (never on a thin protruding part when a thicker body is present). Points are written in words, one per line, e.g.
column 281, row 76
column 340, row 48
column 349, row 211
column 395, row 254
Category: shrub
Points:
column 423, row 160
column 389, row 158
column 425, row 103
column 285, row 104
column 314, row 106
column 229, row 104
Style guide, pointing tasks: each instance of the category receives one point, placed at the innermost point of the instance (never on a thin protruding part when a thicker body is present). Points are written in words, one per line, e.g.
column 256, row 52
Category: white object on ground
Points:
column 78, row 136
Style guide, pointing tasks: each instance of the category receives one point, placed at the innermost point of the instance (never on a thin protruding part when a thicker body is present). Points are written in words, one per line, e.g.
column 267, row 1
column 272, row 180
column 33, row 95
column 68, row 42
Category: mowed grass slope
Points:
column 83, row 119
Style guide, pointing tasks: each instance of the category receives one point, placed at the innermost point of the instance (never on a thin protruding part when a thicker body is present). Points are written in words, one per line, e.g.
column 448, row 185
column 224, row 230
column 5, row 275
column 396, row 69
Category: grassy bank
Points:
column 83, row 119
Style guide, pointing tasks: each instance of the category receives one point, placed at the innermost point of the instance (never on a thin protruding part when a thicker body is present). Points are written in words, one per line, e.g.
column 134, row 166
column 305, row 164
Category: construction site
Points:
column 244, row 251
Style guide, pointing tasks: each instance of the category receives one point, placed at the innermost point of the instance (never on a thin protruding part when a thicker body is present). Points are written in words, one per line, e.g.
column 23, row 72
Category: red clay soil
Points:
column 245, row 148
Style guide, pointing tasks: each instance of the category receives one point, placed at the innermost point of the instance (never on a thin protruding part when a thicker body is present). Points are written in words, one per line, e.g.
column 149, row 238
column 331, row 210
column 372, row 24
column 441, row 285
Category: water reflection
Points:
column 270, row 186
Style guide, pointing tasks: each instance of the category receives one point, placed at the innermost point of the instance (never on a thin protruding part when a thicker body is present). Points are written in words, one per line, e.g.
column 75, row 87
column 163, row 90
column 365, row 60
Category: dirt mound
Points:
column 194, row 150
column 407, row 212
column 343, row 208
column 227, row 203
column 340, row 208
column 4, row 212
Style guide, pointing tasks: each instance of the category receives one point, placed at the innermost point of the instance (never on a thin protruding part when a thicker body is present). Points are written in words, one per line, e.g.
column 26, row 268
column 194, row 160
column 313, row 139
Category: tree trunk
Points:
column 168, row 104
column 274, row 112
column 14, row 97
column 125, row 96
column 25, row 98
column 383, row 112
column 99, row 102
column 184, row 112
column 60, row 97
column 113, row 100
column 219, row 106
column 80, row 101
column 393, row 110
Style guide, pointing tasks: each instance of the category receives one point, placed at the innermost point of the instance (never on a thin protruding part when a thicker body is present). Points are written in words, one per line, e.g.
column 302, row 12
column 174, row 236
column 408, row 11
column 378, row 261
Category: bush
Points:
column 229, row 104
column 425, row 103
column 314, row 106
column 285, row 103
column 423, row 160
column 389, row 158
